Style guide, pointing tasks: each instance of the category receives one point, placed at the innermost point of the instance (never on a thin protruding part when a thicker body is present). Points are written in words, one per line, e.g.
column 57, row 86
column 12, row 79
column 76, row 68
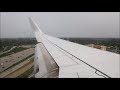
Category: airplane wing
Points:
column 57, row 58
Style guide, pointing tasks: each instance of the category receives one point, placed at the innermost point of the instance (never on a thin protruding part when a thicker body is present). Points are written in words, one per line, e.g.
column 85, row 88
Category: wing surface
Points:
column 104, row 61
column 75, row 60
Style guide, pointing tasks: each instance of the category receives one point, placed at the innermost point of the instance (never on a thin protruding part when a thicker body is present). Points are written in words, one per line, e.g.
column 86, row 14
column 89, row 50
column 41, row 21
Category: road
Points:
column 7, row 61
column 18, row 69
column 8, row 50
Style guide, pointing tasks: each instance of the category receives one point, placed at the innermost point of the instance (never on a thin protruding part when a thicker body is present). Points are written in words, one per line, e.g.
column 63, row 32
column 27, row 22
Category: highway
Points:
column 7, row 61
column 18, row 69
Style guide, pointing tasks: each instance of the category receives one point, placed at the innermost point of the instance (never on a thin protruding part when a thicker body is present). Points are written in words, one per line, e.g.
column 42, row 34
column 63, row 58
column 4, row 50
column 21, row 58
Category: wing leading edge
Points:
column 75, row 60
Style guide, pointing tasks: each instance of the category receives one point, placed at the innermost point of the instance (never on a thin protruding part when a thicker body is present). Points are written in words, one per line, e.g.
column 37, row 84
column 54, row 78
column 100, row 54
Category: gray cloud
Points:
column 61, row 24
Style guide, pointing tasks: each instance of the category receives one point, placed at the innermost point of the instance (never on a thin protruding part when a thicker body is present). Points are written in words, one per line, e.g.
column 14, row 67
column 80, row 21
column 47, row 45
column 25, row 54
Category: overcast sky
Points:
column 61, row 24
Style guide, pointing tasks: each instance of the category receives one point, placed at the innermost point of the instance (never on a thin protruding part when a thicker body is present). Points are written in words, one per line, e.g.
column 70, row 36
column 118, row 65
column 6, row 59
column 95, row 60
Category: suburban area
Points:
column 16, row 58
column 17, row 55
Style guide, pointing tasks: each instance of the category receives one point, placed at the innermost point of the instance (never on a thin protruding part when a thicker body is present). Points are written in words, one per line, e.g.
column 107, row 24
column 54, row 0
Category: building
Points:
column 97, row 46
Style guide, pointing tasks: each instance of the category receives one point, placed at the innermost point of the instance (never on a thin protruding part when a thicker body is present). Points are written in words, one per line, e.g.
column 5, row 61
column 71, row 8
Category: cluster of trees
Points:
column 100, row 41
column 17, row 42
column 112, row 43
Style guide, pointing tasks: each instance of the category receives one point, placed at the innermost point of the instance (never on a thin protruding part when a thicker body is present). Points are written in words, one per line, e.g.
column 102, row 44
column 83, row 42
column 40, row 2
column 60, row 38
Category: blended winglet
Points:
column 37, row 31
column 34, row 25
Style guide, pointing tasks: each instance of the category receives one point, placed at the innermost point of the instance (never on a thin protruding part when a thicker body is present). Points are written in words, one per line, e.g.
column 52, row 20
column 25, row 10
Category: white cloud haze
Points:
column 61, row 24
